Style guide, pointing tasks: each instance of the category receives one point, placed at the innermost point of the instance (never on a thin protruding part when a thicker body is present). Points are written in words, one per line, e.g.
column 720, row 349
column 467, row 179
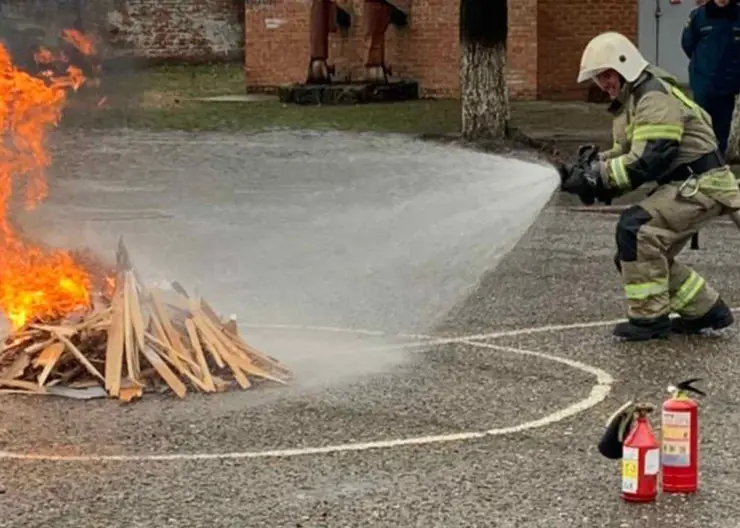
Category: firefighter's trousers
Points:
column 649, row 236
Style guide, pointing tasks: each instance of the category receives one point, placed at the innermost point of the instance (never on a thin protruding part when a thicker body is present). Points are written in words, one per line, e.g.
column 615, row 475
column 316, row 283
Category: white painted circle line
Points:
column 599, row 391
column 422, row 340
column 428, row 340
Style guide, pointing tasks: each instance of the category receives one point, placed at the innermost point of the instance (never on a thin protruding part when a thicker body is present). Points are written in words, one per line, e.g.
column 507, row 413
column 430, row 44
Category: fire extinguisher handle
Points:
column 686, row 386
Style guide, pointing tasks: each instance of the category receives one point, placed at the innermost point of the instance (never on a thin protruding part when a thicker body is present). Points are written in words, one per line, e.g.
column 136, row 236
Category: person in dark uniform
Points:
column 711, row 41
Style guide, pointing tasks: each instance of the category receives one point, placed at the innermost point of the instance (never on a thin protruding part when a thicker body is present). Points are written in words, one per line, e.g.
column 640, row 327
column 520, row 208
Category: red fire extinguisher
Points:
column 640, row 459
column 680, row 439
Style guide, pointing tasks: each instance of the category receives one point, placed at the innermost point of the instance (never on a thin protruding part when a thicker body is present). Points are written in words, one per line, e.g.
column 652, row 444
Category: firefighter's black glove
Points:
column 588, row 153
column 617, row 428
column 585, row 182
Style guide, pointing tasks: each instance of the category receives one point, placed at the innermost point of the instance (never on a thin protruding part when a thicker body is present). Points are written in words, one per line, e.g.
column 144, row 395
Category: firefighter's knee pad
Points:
column 629, row 224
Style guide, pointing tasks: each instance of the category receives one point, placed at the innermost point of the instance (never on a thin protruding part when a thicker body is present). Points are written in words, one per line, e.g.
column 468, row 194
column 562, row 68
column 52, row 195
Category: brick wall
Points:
column 154, row 29
column 565, row 27
column 521, row 58
column 177, row 29
column 546, row 38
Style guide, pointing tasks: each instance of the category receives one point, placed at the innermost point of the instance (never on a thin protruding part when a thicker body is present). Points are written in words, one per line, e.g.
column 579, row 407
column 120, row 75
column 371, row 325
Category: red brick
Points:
column 546, row 38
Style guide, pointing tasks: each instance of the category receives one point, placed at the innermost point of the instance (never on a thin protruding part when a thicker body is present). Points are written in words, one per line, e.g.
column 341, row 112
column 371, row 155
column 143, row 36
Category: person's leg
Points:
column 645, row 272
column 722, row 108
column 709, row 103
column 698, row 304
column 649, row 235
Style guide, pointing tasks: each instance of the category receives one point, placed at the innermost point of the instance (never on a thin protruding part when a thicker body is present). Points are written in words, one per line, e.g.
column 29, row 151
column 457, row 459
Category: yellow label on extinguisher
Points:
column 676, row 439
column 630, row 456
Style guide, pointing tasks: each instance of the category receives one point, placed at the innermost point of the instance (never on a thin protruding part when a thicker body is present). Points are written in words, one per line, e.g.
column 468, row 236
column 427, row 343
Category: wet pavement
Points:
column 381, row 428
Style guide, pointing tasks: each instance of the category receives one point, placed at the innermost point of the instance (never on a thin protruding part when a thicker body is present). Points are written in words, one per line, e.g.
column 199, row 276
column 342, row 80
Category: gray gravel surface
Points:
column 560, row 272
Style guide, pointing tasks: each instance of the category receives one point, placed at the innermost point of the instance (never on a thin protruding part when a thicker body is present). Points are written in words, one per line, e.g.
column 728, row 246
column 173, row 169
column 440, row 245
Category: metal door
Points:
column 660, row 23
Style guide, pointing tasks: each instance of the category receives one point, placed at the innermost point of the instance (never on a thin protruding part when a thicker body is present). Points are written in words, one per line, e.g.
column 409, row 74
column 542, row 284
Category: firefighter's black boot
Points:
column 644, row 329
column 718, row 317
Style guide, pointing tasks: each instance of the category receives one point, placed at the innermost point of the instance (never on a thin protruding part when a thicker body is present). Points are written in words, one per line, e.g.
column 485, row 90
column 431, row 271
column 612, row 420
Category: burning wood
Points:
column 71, row 333
column 131, row 341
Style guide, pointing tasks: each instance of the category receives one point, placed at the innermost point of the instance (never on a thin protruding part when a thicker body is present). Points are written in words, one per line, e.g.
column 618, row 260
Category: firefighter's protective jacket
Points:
column 620, row 144
column 664, row 129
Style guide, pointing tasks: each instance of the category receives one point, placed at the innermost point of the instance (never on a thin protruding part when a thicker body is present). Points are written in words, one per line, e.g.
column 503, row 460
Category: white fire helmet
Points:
column 611, row 50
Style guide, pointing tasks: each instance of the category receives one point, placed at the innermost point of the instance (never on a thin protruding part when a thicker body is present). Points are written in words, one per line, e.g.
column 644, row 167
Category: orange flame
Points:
column 79, row 41
column 34, row 284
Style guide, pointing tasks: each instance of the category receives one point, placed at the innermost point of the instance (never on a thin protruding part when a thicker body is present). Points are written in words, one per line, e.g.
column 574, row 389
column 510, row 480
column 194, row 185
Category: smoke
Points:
column 327, row 247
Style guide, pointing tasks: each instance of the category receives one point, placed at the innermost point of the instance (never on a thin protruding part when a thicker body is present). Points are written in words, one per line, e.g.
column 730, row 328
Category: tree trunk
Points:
column 484, row 94
column 485, row 97
column 733, row 144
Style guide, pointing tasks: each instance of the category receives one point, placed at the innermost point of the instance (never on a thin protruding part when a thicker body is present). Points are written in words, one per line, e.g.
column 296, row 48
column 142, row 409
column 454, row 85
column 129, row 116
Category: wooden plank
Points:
column 81, row 357
column 172, row 298
column 159, row 327
column 36, row 347
column 173, row 353
column 202, row 327
column 114, row 347
column 250, row 368
column 221, row 385
column 128, row 394
column 95, row 319
column 164, row 342
column 46, row 355
column 199, row 355
column 180, row 289
column 136, row 316
column 16, row 342
column 137, row 319
column 231, row 326
column 18, row 367
column 21, row 391
column 241, row 359
column 173, row 335
column 213, row 343
column 128, row 332
column 177, row 386
column 66, row 330
column 168, row 357
column 123, row 260
column 23, row 385
column 238, row 357
column 53, row 352
column 210, row 313
column 244, row 346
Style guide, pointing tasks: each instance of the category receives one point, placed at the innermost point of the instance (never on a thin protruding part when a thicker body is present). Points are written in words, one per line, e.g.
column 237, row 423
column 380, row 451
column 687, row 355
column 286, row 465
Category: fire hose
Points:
column 587, row 154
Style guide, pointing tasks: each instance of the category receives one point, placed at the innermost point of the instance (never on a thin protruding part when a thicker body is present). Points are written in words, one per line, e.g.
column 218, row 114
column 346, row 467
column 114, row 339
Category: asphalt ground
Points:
column 256, row 460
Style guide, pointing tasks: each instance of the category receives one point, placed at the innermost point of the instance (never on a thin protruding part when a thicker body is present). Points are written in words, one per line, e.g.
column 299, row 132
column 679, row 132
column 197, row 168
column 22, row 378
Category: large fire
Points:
column 35, row 284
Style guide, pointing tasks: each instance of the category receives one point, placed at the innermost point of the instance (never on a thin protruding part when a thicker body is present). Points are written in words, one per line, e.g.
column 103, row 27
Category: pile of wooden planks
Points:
column 136, row 340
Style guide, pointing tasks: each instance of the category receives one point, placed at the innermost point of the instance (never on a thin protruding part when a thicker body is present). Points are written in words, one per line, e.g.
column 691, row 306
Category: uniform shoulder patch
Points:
column 692, row 15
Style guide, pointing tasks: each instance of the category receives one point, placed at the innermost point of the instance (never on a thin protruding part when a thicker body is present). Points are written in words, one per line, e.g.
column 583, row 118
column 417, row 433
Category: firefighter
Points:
column 669, row 142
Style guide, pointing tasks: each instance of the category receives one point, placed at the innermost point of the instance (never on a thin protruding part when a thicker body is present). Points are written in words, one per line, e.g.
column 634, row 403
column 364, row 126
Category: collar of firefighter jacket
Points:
column 615, row 107
column 629, row 88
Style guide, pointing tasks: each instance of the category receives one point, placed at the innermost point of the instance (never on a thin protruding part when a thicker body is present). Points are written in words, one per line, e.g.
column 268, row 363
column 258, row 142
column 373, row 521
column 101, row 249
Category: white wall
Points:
column 665, row 50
